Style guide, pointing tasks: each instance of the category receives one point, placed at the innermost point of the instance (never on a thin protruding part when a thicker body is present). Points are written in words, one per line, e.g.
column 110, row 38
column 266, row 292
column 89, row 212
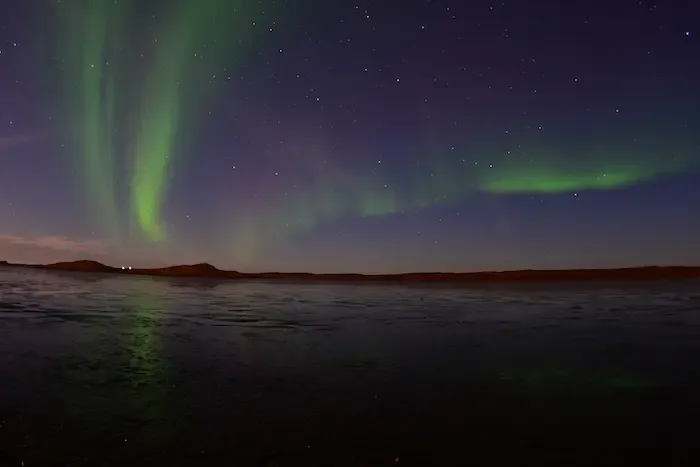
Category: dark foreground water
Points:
column 120, row 371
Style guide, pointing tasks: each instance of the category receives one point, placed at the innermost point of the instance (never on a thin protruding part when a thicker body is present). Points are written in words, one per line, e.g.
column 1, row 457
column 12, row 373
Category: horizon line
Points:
column 207, row 270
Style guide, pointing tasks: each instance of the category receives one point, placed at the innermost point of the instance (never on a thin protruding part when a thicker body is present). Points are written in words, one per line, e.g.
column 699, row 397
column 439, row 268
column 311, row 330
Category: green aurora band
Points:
column 148, row 119
column 450, row 180
column 192, row 42
column 190, row 50
column 93, row 30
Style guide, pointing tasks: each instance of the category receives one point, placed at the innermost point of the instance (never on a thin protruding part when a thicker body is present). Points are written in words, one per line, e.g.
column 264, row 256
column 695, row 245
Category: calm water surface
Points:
column 115, row 371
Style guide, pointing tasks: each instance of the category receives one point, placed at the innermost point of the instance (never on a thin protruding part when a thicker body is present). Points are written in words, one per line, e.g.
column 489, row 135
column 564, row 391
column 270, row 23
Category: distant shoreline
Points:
column 645, row 273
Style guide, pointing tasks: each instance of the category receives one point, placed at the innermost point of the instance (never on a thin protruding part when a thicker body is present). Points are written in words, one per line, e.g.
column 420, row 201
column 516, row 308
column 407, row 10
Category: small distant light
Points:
column 123, row 267
column 129, row 268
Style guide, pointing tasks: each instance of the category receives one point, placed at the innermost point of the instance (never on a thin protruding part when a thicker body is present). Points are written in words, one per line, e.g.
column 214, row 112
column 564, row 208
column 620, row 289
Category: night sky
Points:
column 350, row 136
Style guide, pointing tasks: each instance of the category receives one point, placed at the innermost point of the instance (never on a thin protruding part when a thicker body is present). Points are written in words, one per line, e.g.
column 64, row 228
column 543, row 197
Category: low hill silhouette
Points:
column 193, row 270
column 82, row 265
column 204, row 270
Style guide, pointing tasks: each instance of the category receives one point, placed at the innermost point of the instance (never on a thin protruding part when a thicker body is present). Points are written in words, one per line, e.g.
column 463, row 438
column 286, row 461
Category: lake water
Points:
column 116, row 371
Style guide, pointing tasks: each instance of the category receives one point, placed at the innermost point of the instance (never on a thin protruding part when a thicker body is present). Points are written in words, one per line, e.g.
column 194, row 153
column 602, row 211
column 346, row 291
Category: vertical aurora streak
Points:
column 94, row 30
column 193, row 43
column 190, row 42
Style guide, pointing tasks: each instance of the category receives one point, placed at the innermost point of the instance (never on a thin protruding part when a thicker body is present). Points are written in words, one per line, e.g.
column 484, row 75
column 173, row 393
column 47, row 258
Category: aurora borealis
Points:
column 333, row 137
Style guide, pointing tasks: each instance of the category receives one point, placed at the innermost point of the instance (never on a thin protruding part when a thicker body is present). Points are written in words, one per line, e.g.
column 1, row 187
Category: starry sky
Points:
column 350, row 136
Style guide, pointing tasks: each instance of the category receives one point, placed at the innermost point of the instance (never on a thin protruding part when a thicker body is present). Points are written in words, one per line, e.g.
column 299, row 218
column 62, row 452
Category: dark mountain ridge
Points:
column 205, row 270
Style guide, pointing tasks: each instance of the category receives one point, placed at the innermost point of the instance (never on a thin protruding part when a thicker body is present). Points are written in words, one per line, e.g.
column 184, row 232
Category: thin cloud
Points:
column 13, row 141
column 57, row 243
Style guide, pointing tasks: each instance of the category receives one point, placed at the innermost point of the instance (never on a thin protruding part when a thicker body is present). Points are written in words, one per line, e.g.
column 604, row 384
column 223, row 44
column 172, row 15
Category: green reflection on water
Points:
column 540, row 379
column 146, row 366
column 149, row 402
